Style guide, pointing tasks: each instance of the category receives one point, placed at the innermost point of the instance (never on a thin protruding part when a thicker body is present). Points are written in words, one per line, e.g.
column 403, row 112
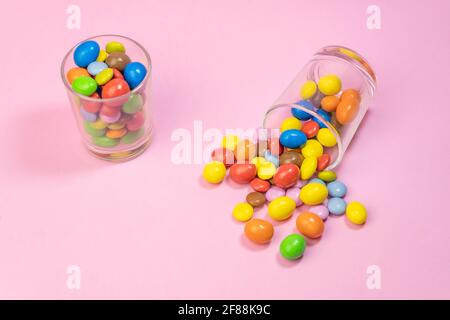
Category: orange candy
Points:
column 310, row 225
column 76, row 72
column 323, row 161
column 115, row 134
column 329, row 103
column 350, row 94
column 347, row 110
column 259, row 231
column 245, row 150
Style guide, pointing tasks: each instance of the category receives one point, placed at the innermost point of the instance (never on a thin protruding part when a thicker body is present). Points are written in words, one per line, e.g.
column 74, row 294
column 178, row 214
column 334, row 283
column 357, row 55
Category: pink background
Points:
column 151, row 229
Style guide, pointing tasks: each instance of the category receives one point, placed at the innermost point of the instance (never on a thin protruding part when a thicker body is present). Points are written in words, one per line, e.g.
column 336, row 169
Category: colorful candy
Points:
column 327, row 175
column 134, row 73
column 286, row 175
column 337, row 189
column 308, row 167
column 336, row 206
column 291, row 123
column 260, row 185
column 84, row 85
column 242, row 173
column 310, row 225
column 256, row 199
column 293, row 138
column 281, row 208
column 118, row 60
column 356, row 212
column 275, row 192
column 313, row 193
column 293, row 246
column 243, row 212
column 329, row 85
column 114, row 46
column 326, row 137
column 85, row 53
column 259, row 231
column 308, row 89
column 223, row 155
column 214, row 172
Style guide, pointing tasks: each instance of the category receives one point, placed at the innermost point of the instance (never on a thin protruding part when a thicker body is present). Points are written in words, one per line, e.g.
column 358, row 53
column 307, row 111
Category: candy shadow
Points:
column 206, row 185
column 287, row 263
column 352, row 225
column 248, row 244
column 48, row 143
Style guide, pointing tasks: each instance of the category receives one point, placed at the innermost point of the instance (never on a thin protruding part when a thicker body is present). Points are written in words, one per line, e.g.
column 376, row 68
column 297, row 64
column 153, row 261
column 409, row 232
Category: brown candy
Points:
column 117, row 60
column 291, row 157
column 256, row 199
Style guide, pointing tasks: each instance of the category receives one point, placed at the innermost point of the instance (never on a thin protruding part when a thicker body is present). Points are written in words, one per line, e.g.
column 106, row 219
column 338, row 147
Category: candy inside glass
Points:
column 354, row 72
column 134, row 142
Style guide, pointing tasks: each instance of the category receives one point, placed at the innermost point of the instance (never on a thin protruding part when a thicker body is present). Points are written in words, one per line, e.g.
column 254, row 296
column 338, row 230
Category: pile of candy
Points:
column 289, row 170
column 106, row 74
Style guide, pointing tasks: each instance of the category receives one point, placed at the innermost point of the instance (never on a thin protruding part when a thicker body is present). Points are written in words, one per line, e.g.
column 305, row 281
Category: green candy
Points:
column 92, row 131
column 84, row 85
column 132, row 136
column 104, row 76
column 293, row 246
column 105, row 142
column 134, row 104
column 114, row 46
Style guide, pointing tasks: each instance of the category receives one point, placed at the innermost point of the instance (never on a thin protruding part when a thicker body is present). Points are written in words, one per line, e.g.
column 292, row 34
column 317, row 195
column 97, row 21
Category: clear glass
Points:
column 354, row 72
column 137, row 141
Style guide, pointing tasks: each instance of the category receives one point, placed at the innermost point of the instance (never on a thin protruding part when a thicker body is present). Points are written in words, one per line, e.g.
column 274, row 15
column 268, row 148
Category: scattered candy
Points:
column 294, row 194
column 275, row 192
column 260, row 185
column 286, row 175
column 259, row 231
column 223, row 155
column 242, row 173
column 356, row 213
column 337, row 189
column 308, row 167
column 214, row 172
column 313, row 193
column 336, row 206
column 293, row 246
column 281, row 208
column 310, row 225
column 327, row 175
column 293, row 138
column 243, row 212
column 326, row 137
column 320, row 210
column 256, row 199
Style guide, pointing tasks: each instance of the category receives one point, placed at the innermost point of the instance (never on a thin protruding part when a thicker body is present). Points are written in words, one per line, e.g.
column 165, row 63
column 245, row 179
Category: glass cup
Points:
column 354, row 72
column 131, row 133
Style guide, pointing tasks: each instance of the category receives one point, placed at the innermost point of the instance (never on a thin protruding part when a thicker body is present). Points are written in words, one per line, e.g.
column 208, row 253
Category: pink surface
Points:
column 152, row 229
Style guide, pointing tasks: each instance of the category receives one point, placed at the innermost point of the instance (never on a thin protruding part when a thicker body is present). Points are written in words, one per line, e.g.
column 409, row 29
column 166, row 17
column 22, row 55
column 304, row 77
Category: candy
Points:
column 291, row 123
column 115, row 134
column 118, row 60
column 109, row 115
column 272, row 158
column 291, row 157
column 88, row 116
column 84, row 85
column 327, row 175
column 85, row 53
column 245, row 150
column 134, row 104
column 323, row 161
column 313, row 193
column 223, row 155
column 121, row 123
column 95, row 67
column 312, row 148
column 310, row 129
column 293, row 246
column 258, row 161
column 329, row 103
column 104, row 76
column 321, row 211
column 92, row 131
column 336, row 206
column 275, row 192
column 310, row 225
column 294, row 194
column 117, row 74
column 136, row 121
column 260, row 185
column 326, row 137
column 134, row 73
column 230, row 142
column 347, row 110
column 105, row 142
column 99, row 124
column 132, row 136
column 356, row 213
column 214, row 171
column 286, row 175
column 76, row 72
column 114, row 46
column 243, row 212
column 351, row 94
column 301, row 114
column 330, row 84
column 281, row 208
column 317, row 180
column 91, row 106
column 259, row 231
column 115, row 88
column 337, row 189
column 102, row 55
column 324, row 115
column 266, row 170
column 256, row 199
column 308, row 167
column 242, row 173
column 274, row 146
column 293, row 138
column 308, row 89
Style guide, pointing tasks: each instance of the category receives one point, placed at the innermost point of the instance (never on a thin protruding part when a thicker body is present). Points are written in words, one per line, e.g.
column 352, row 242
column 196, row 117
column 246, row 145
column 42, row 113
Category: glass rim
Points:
column 118, row 98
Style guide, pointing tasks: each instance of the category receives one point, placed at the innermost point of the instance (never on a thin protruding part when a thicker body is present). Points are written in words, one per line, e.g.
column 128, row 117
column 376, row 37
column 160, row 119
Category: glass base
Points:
column 122, row 156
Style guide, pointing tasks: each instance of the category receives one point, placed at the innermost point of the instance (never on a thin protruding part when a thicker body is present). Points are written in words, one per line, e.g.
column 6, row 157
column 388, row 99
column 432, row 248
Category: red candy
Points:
column 90, row 106
column 115, row 88
column 286, row 175
column 323, row 161
column 260, row 185
column 109, row 112
column 136, row 121
column 223, row 155
column 117, row 74
column 310, row 129
column 242, row 172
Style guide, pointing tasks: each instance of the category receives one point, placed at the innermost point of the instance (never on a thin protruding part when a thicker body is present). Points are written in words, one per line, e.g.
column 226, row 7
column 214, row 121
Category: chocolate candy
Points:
column 291, row 157
column 256, row 199
column 118, row 60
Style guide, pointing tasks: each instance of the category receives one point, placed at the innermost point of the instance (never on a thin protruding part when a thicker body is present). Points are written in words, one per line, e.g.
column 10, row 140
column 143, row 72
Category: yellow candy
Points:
column 313, row 193
column 102, row 55
column 281, row 208
column 114, row 46
column 99, row 124
column 117, row 125
column 230, row 142
column 356, row 213
column 308, row 89
column 330, row 84
column 312, row 148
column 243, row 212
column 214, row 172
column 266, row 170
column 291, row 123
column 308, row 167
column 258, row 161
column 327, row 175
column 326, row 137
column 104, row 76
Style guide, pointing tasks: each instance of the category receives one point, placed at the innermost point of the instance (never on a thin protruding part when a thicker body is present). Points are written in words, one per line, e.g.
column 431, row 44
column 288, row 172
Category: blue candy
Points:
column 317, row 180
column 300, row 114
column 293, row 138
column 336, row 206
column 336, row 189
column 324, row 115
column 88, row 116
column 96, row 67
column 272, row 158
column 134, row 73
column 86, row 53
